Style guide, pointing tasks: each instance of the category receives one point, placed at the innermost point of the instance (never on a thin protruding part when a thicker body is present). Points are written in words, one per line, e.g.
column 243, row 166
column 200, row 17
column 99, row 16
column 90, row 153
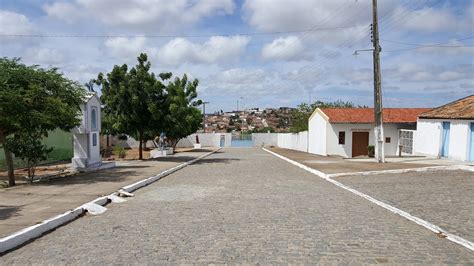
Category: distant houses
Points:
column 447, row 131
column 348, row 132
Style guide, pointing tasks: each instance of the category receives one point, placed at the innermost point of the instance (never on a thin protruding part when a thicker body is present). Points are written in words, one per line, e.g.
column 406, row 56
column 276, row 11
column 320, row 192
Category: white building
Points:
column 86, row 136
column 447, row 131
column 348, row 131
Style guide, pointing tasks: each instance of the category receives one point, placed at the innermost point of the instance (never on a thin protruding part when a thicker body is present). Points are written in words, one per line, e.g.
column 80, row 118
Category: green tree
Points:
column 183, row 117
column 133, row 101
column 300, row 115
column 34, row 101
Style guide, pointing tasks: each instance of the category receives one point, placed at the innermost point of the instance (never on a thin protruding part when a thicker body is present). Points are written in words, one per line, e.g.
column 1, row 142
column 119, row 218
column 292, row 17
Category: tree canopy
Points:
column 34, row 101
column 183, row 118
column 137, row 103
column 300, row 116
column 133, row 101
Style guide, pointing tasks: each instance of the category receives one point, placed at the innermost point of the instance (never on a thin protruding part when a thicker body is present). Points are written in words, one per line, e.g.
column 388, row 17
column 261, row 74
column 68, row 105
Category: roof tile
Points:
column 366, row 115
column 460, row 109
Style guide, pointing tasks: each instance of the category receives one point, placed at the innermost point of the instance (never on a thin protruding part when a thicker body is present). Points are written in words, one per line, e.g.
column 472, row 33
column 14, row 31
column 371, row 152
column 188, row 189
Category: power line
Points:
column 313, row 29
column 436, row 45
column 432, row 45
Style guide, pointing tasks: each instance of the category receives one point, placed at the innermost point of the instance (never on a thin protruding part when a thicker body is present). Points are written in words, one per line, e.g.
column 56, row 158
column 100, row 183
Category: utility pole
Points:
column 378, row 130
column 204, row 116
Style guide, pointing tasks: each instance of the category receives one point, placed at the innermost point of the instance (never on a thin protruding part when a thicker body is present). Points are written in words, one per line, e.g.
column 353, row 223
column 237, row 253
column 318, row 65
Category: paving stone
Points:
column 242, row 206
column 444, row 198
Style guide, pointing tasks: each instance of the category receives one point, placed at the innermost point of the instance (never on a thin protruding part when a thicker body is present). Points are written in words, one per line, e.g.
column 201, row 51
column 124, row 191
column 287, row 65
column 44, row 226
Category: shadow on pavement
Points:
column 216, row 160
column 9, row 211
column 108, row 175
column 177, row 159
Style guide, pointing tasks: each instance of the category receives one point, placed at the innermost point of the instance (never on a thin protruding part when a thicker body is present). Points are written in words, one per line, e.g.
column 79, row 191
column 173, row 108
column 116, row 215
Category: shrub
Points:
column 120, row 151
column 371, row 150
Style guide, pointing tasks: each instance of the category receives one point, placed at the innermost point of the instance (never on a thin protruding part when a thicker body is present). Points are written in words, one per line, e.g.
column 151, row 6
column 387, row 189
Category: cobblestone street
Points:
column 243, row 205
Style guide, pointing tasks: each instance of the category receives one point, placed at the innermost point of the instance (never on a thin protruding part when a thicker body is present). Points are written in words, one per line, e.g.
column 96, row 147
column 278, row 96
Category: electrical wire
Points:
column 313, row 29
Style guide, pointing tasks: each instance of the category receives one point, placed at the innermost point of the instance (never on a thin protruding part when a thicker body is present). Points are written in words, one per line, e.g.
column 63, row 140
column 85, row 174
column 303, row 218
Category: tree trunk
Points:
column 140, row 148
column 8, row 160
column 175, row 143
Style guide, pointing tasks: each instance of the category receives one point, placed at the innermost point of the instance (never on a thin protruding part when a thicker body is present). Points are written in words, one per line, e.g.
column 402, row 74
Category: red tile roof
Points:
column 460, row 109
column 366, row 115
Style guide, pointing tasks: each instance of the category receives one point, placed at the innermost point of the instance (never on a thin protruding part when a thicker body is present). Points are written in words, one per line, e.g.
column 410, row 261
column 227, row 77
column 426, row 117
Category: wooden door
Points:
column 360, row 141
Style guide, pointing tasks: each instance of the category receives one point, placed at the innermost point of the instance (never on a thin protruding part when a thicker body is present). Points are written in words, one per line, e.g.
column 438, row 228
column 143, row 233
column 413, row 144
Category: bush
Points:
column 120, row 151
column 371, row 150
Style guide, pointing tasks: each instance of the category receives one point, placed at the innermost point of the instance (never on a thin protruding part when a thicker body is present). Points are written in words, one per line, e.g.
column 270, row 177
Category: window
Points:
column 342, row 137
column 94, row 118
column 94, row 139
column 388, row 139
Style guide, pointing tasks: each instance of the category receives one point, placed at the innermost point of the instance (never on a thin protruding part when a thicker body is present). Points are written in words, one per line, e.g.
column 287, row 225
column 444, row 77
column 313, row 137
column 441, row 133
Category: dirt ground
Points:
column 54, row 168
column 61, row 168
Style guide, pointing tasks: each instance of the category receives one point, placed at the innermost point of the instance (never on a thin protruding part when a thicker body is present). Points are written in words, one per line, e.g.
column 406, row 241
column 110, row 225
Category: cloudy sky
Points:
column 262, row 53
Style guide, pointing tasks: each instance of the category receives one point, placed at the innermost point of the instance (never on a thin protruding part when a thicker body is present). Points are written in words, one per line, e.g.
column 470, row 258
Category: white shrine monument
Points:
column 87, row 135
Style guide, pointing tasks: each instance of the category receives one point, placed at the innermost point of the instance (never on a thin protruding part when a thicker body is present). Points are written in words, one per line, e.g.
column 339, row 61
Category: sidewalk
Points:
column 26, row 205
column 337, row 165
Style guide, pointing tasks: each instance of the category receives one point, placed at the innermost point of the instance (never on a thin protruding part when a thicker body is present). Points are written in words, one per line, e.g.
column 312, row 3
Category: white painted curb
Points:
column 454, row 238
column 20, row 237
column 400, row 171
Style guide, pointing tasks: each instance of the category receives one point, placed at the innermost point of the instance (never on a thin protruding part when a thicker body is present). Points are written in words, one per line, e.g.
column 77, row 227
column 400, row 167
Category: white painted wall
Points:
column 94, row 154
column 85, row 153
column 318, row 128
column 428, row 138
column 345, row 150
column 206, row 140
column 459, row 140
column 293, row 141
column 264, row 139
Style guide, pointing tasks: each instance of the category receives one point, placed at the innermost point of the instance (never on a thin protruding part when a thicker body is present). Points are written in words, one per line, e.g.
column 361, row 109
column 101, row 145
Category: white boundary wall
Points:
column 264, row 139
column 297, row 141
column 206, row 140
column 293, row 141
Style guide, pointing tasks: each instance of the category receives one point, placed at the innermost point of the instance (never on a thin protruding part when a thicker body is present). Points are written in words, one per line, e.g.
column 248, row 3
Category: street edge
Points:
column 21, row 237
column 434, row 228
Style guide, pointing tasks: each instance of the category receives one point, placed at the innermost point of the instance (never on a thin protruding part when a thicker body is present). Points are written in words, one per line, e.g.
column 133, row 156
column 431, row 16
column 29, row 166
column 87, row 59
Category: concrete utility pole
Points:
column 204, row 117
column 379, row 137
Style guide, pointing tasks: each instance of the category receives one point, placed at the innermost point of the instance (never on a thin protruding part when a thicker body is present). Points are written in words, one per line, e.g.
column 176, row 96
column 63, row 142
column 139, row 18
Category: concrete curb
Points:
column 400, row 171
column 432, row 227
column 32, row 232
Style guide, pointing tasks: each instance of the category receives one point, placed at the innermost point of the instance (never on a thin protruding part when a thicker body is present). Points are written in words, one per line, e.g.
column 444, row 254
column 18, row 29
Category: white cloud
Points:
column 215, row 50
column 429, row 19
column 433, row 73
column 12, row 23
column 128, row 48
column 158, row 15
column 457, row 48
column 44, row 56
column 241, row 76
column 302, row 14
column 288, row 49
column 306, row 75
column 64, row 11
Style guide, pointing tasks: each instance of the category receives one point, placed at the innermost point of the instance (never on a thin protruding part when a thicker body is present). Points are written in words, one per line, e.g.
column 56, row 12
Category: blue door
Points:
column 471, row 156
column 445, row 140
